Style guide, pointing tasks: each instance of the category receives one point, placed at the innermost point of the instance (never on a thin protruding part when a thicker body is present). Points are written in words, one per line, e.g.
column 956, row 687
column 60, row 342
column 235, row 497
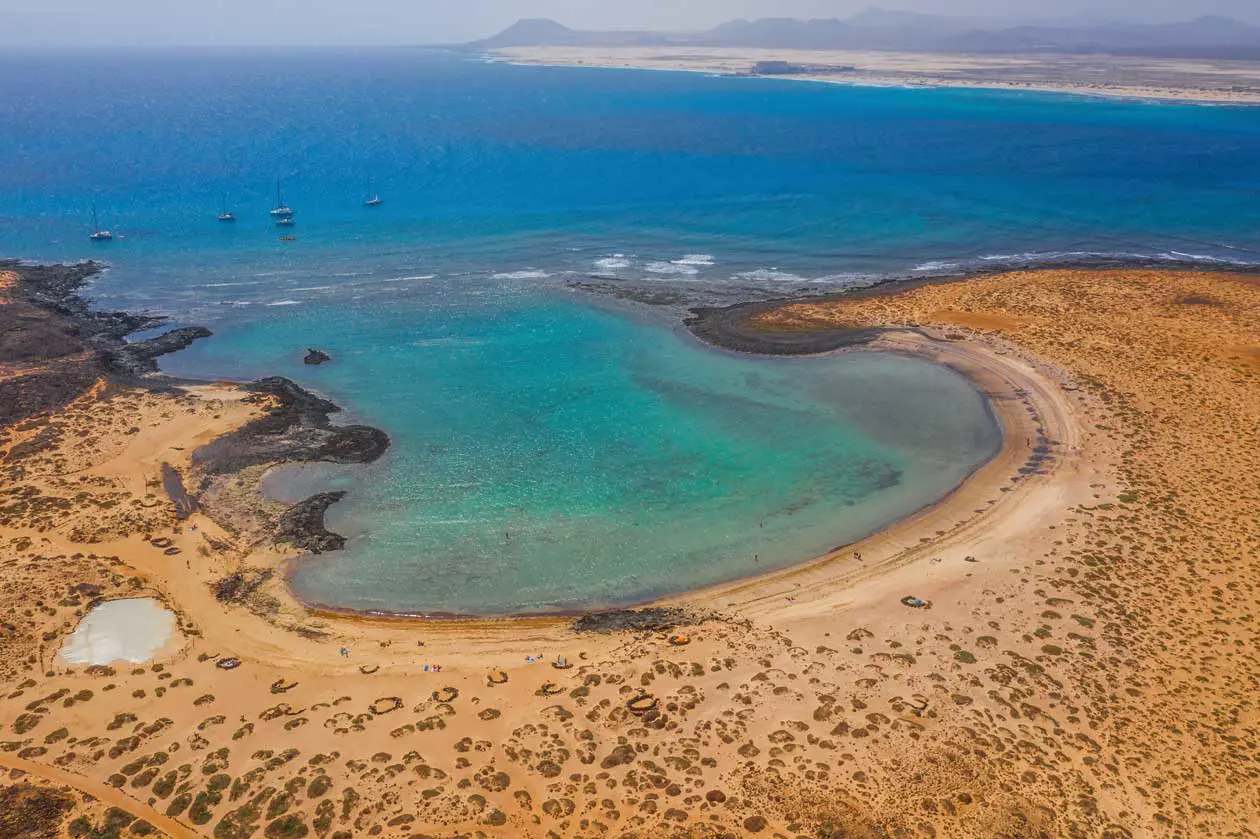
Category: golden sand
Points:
column 1087, row 668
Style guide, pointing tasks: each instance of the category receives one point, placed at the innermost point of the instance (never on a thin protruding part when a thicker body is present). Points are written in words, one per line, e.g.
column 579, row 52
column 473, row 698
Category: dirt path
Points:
column 104, row 793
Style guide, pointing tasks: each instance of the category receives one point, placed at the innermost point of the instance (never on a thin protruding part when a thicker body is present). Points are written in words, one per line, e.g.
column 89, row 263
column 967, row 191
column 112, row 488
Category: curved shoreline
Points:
column 297, row 429
column 1031, row 413
column 912, row 344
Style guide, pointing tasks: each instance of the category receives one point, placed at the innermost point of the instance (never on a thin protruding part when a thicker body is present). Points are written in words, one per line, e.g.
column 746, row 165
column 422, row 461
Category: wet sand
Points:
column 1085, row 666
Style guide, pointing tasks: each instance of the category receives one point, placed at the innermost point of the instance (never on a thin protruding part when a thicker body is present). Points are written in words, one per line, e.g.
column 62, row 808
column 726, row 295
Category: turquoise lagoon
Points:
column 552, row 454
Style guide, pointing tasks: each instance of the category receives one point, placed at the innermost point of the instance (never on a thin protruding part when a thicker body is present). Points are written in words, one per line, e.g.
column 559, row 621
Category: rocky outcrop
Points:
column 302, row 525
column 316, row 357
column 654, row 619
column 141, row 357
column 295, row 429
column 63, row 347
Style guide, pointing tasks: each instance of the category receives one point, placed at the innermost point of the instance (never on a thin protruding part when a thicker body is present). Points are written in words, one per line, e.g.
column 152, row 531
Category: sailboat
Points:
column 375, row 200
column 99, row 235
column 282, row 210
column 224, row 215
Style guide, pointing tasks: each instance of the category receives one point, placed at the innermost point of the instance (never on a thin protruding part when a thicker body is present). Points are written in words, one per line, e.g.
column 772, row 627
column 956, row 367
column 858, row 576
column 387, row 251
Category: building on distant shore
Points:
column 787, row 68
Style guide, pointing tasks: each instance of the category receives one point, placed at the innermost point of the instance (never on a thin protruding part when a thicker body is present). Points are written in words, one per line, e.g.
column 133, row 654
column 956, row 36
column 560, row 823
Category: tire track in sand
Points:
column 104, row 793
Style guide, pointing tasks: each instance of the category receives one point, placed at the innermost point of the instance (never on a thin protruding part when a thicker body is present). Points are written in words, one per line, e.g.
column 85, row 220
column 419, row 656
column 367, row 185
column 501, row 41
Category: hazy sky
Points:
column 189, row 22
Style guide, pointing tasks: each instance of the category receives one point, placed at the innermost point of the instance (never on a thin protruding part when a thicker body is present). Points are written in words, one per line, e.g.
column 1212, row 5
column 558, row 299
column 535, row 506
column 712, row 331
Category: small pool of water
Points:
column 120, row 630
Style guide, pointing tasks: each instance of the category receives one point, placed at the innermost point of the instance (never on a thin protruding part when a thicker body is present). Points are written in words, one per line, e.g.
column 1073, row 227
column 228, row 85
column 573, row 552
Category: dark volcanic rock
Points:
column 238, row 587
column 46, row 390
column 62, row 348
column 731, row 328
column 56, row 287
column 141, row 357
column 65, row 345
column 655, row 619
column 316, row 357
column 297, row 429
column 302, row 525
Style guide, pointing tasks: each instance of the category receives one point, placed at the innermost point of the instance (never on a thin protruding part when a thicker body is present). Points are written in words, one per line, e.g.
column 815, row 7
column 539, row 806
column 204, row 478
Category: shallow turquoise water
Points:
column 551, row 454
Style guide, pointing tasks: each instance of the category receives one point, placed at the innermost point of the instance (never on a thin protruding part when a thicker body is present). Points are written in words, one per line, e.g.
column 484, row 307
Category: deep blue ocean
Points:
column 552, row 450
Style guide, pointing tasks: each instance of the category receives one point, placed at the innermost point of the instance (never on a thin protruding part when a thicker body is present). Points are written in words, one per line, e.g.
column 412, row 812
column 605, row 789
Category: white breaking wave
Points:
column 851, row 279
column 1196, row 257
column 404, row 279
column 936, row 266
column 613, row 262
column 771, row 275
column 1062, row 256
column 530, row 274
column 694, row 259
column 285, row 303
column 674, row 268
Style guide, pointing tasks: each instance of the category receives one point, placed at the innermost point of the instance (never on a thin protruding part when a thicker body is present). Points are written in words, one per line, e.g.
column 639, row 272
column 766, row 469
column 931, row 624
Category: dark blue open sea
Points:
column 549, row 452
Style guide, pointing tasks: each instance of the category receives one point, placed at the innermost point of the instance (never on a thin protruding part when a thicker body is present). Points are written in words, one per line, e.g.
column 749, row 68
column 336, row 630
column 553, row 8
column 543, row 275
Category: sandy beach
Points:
column 1079, row 658
column 1197, row 80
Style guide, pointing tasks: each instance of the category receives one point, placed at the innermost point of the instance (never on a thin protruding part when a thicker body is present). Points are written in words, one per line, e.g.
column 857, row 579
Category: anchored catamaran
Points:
column 99, row 235
column 282, row 210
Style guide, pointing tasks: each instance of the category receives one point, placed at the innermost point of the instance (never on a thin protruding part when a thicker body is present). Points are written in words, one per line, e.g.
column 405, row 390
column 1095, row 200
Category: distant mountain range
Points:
column 880, row 29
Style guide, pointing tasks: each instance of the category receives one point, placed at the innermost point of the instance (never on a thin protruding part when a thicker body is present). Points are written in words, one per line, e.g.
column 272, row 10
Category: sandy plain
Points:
column 1202, row 80
column 1087, row 666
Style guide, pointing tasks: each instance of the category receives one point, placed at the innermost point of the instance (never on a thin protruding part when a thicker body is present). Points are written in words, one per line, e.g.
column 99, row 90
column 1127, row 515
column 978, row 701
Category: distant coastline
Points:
column 1214, row 82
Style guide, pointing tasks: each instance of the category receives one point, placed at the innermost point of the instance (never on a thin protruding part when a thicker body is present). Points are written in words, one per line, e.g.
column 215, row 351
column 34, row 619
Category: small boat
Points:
column 99, row 235
column 282, row 210
column 375, row 200
column 224, row 215
column 288, row 238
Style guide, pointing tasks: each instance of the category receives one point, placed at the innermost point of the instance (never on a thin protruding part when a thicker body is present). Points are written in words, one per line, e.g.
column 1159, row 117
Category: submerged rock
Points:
column 302, row 525
column 316, row 357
